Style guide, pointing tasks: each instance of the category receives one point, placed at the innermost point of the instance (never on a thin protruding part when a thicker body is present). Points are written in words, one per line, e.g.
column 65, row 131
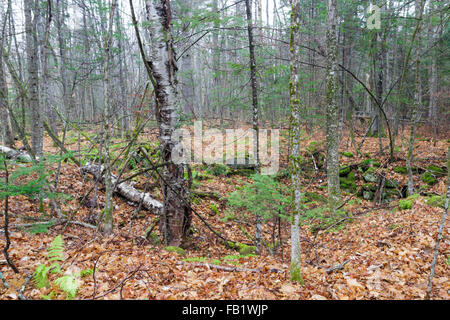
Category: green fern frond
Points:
column 55, row 268
column 40, row 276
column 56, row 250
column 69, row 285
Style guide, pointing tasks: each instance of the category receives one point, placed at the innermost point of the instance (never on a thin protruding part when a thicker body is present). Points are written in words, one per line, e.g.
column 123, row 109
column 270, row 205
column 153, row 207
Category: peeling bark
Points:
column 126, row 190
column 176, row 217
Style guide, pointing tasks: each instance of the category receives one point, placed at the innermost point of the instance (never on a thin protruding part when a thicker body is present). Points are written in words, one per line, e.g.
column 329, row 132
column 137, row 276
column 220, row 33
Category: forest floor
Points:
column 386, row 252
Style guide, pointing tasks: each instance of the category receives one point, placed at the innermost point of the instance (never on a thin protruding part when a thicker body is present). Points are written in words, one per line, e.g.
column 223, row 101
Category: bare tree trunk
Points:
column 124, row 121
column 417, row 100
column 107, row 114
column 295, row 158
column 60, row 14
column 254, row 85
column 187, row 67
column 441, row 228
column 6, row 133
column 332, row 109
column 37, row 131
column 44, row 31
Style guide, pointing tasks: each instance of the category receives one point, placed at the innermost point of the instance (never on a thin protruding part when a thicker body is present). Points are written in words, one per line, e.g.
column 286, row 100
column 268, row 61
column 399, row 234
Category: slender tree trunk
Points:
column 417, row 100
column 6, row 133
column 332, row 109
column 187, row 65
column 107, row 114
column 37, row 131
column 124, row 121
column 254, row 85
column 60, row 17
column 441, row 229
column 295, row 158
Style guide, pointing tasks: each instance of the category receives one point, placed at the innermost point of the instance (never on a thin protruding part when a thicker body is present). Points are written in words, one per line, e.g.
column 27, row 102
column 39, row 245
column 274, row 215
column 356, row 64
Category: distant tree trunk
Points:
column 216, row 62
column 6, row 133
column 187, row 65
column 124, row 120
column 417, row 99
column 37, row 126
column 44, row 23
column 176, row 217
column 295, row 158
column 433, row 79
column 433, row 98
column 332, row 109
column 60, row 17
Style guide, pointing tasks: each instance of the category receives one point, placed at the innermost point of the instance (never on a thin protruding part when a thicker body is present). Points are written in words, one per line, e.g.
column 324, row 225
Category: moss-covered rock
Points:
column 343, row 171
column 369, row 187
column 368, row 195
column 369, row 175
column 405, row 204
column 429, row 179
column 351, row 176
column 391, row 183
column 348, row 184
column 408, row 203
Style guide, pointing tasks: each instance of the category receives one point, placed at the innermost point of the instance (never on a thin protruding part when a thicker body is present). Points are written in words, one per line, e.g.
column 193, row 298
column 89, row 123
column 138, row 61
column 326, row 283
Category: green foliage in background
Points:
column 265, row 197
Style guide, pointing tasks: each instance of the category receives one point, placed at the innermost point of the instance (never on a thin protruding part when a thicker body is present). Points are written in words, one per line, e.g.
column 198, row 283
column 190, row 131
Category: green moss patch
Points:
column 429, row 179
column 175, row 249
column 436, row 201
column 401, row 170
column 347, row 154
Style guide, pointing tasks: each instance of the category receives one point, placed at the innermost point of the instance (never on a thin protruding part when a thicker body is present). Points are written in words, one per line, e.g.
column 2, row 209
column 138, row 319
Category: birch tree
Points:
column 176, row 218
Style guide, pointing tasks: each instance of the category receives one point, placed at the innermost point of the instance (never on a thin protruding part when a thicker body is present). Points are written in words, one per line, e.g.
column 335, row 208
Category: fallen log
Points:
column 126, row 190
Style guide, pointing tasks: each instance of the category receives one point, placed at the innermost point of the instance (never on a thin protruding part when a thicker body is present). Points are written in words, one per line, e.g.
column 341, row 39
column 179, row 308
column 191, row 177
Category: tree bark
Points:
column 37, row 132
column 126, row 190
column 332, row 109
column 295, row 158
column 176, row 217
